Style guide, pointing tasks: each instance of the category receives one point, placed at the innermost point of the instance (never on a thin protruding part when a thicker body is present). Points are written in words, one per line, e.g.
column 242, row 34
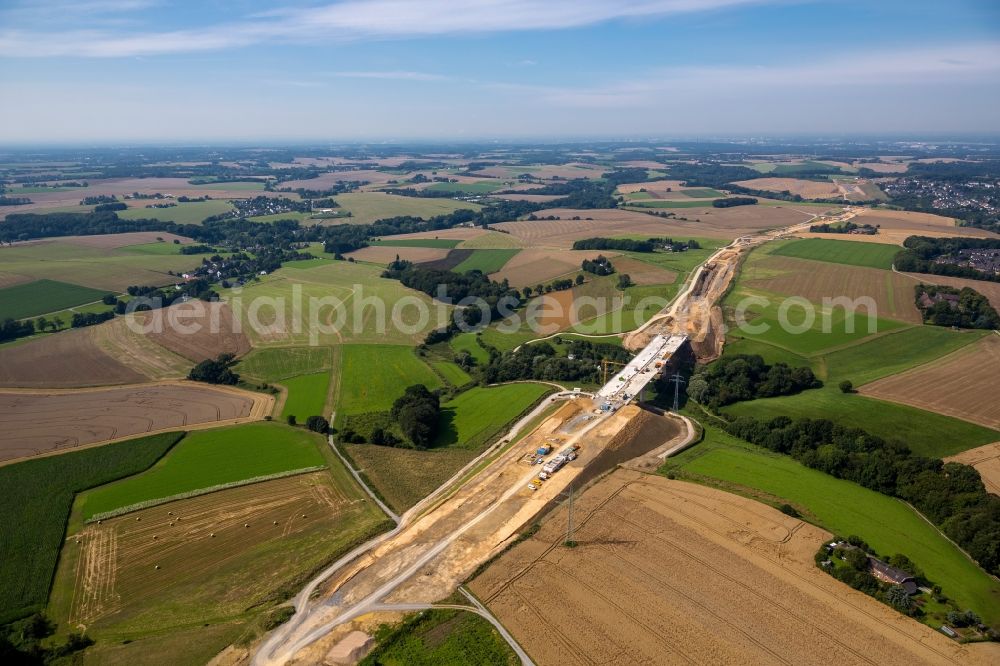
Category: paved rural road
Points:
column 271, row 652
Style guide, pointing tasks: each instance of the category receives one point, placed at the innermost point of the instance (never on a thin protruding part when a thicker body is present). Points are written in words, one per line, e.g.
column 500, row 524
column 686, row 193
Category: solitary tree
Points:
column 318, row 424
column 291, row 420
column 846, row 386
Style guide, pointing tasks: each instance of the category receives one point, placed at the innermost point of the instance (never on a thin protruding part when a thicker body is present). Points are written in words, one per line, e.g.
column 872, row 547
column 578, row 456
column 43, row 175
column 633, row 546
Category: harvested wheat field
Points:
column 122, row 186
column 986, row 460
column 723, row 223
column 566, row 171
column 121, row 569
column 10, row 279
column 807, row 189
column 643, row 273
column 816, row 280
column 64, row 360
column 458, row 233
column 668, row 572
column 384, row 254
column 530, row 267
column 112, row 353
column 879, row 167
column 36, row 422
column 326, row 181
column 961, row 384
column 197, row 330
column 491, row 240
column 112, row 241
column 899, row 224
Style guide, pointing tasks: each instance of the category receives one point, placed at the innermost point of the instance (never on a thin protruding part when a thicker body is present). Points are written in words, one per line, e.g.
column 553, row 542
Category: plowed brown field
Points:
column 64, row 360
column 197, row 330
column 105, row 355
column 35, row 422
column 667, row 572
column 530, row 267
column 383, row 254
column 962, row 384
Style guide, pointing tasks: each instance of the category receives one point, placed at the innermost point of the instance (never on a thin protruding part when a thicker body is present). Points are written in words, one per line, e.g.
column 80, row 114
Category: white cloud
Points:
column 347, row 20
column 908, row 67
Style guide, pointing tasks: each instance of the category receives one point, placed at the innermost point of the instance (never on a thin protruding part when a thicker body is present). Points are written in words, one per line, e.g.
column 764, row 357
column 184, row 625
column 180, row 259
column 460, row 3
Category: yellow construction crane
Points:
column 604, row 368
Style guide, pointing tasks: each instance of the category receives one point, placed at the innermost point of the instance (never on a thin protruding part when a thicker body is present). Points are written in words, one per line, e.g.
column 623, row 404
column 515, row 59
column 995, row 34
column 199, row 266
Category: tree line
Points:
column 951, row 495
column 747, row 377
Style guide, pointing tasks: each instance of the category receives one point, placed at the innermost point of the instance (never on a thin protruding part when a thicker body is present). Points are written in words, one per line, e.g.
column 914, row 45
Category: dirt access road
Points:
column 424, row 561
column 695, row 311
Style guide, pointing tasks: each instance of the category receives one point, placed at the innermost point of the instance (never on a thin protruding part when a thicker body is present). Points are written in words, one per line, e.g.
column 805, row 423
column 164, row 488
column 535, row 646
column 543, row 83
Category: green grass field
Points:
column 441, row 638
column 851, row 253
column 467, row 342
column 828, row 329
column 844, row 508
column 475, row 416
column 192, row 212
column 446, row 243
column 479, row 187
column 403, row 477
column 366, row 207
column 486, row 261
column 679, row 262
column 157, row 248
column 702, row 193
column 98, row 268
column 926, row 433
column 365, row 301
column 38, row 497
column 373, row 376
column 209, row 458
column 274, row 364
column 307, row 396
column 452, row 373
column 898, row 351
column 42, row 297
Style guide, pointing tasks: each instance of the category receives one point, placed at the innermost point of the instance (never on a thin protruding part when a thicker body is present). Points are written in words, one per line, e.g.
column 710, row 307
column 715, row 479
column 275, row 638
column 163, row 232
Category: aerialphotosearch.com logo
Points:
column 364, row 313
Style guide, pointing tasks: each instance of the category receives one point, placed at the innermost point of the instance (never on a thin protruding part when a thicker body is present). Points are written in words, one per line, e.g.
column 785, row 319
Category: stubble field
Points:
column 33, row 422
column 986, row 460
column 962, row 385
column 669, row 572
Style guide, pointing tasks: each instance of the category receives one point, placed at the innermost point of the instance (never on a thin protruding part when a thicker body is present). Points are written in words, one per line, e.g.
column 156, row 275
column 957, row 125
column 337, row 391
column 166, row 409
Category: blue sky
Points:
column 243, row 70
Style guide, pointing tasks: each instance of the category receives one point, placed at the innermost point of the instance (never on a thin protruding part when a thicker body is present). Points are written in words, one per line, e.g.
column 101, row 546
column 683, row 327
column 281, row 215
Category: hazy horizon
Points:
column 101, row 72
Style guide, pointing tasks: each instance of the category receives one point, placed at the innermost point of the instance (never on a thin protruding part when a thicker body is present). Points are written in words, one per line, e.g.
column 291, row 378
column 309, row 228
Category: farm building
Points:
column 890, row 574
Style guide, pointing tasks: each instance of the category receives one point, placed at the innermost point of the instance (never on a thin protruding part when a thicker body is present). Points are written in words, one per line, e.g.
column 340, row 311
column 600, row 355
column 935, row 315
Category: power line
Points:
column 677, row 380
